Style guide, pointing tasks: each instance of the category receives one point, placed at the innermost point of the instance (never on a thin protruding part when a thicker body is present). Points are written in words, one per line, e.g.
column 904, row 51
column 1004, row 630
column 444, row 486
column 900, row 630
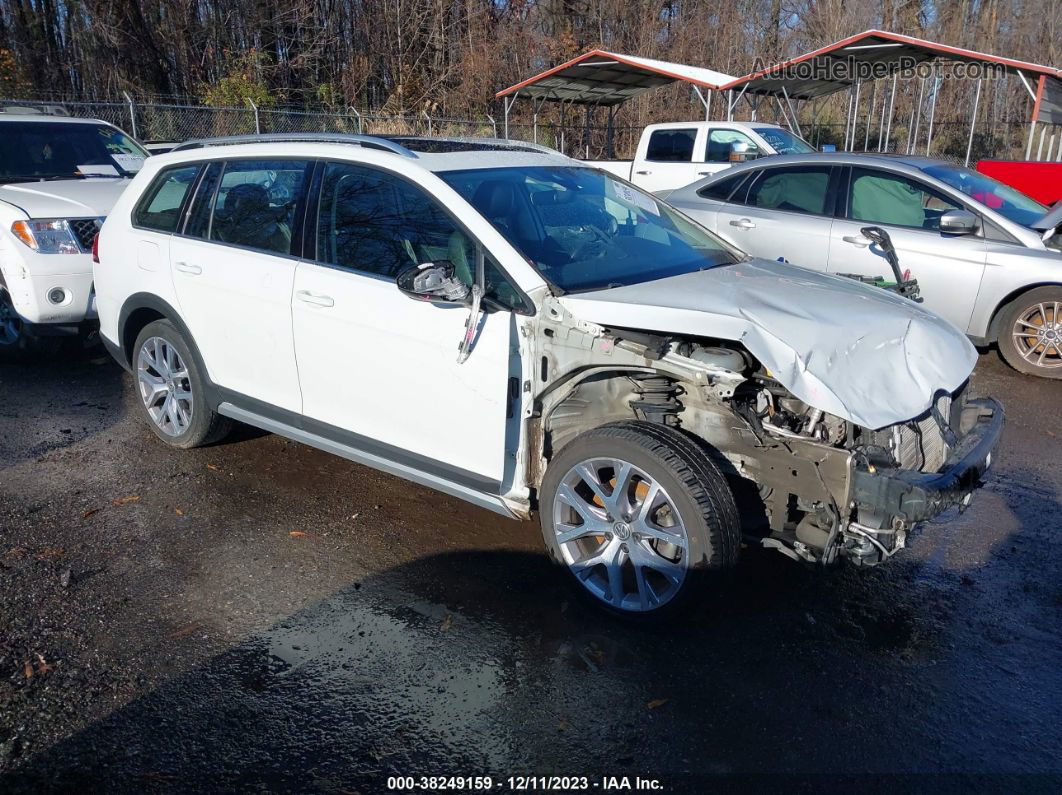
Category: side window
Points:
column 374, row 222
column 671, row 146
column 722, row 190
column 883, row 198
column 199, row 214
column 798, row 189
column 720, row 142
column 160, row 209
column 254, row 205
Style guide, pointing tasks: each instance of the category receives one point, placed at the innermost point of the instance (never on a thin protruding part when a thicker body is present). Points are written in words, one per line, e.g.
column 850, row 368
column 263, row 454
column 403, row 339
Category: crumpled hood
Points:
column 68, row 198
column 852, row 350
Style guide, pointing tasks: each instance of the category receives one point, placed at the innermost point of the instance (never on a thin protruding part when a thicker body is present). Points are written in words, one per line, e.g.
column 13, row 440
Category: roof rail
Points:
column 469, row 143
column 368, row 141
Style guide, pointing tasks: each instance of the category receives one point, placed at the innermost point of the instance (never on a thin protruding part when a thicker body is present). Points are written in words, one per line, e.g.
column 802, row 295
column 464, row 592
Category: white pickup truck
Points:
column 673, row 155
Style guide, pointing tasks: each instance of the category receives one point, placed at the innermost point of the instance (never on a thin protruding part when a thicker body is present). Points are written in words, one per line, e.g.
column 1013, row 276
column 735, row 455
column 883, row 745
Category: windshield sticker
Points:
column 98, row 170
column 632, row 196
column 128, row 162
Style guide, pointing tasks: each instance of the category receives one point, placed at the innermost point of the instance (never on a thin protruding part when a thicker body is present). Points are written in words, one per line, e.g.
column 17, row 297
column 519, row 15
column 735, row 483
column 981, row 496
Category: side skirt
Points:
column 475, row 496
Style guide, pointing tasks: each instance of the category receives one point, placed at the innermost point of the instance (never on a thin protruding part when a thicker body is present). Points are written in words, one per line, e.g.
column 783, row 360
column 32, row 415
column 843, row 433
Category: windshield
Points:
column 31, row 150
column 784, row 142
column 1006, row 201
column 583, row 229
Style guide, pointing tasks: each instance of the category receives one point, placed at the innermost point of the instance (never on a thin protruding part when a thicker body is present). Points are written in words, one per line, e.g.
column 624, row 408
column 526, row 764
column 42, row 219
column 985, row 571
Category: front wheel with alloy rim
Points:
column 639, row 515
column 1030, row 333
column 171, row 389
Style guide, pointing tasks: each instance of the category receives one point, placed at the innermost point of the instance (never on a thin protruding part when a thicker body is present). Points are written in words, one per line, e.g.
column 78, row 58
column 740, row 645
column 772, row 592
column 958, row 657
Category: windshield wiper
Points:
column 40, row 177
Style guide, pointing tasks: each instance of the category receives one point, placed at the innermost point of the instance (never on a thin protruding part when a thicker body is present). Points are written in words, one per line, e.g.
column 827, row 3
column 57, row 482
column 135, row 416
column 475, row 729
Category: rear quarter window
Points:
column 671, row 146
column 724, row 189
column 160, row 209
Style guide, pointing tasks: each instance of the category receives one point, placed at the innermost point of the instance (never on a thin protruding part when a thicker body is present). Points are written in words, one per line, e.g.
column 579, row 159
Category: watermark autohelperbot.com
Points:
column 853, row 70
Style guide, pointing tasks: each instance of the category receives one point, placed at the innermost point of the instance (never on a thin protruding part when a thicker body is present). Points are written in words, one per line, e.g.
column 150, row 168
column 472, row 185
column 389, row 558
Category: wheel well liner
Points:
column 143, row 308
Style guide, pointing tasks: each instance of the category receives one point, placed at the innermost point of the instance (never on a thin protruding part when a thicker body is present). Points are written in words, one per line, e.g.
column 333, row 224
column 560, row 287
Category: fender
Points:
column 127, row 337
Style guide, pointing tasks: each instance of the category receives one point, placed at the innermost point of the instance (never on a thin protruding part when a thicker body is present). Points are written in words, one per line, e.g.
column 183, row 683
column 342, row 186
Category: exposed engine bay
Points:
column 808, row 482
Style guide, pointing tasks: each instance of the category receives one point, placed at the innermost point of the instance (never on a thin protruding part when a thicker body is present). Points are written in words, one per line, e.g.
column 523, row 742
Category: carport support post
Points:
column 792, row 113
column 610, row 133
column 870, row 115
column 855, row 116
column 892, row 106
column 848, row 116
column 973, row 120
column 1035, row 111
column 933, row 111
column 586, row 134
column 132, row 114
column 881, row 121
column 916, row 117
column 507, row 104
column 706, row 102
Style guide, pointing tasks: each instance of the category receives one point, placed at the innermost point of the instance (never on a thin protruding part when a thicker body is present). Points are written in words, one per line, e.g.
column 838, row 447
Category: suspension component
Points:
column 657, row 399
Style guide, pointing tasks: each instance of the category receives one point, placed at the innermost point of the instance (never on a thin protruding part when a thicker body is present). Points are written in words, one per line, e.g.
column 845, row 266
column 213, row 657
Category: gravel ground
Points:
column 259, row 615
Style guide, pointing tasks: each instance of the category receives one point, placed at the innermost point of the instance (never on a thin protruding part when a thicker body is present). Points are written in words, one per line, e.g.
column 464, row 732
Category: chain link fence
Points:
column 171, row 121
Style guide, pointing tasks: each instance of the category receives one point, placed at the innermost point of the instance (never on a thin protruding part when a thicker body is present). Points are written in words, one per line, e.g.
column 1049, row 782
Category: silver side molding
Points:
column 484, row 500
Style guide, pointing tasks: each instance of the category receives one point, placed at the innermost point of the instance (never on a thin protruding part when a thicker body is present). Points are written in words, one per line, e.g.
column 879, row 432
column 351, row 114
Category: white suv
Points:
column 59, row 177
column 509, row 326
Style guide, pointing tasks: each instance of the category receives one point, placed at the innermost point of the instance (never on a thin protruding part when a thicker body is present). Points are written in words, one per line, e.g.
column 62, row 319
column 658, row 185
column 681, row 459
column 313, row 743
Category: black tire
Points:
column 695, row 488
column 206, row 425
column 18, row 342
column 1015, row 351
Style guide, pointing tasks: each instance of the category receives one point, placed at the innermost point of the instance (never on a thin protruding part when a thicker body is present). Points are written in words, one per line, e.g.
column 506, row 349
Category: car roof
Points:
column 909, row 162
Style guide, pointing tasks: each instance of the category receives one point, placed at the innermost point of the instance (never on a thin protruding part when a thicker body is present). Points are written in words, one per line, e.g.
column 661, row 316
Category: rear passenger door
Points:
column 667, row 162
column 379, row 370
column 784, row 212
column 233, row 269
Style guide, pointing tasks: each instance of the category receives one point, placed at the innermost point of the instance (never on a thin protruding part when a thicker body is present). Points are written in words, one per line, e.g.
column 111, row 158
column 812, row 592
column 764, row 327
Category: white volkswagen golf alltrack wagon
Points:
column 511, row 327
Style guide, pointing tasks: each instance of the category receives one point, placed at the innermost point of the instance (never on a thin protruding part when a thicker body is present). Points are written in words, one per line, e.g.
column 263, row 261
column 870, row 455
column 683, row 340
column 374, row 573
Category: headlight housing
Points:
column 47, row 235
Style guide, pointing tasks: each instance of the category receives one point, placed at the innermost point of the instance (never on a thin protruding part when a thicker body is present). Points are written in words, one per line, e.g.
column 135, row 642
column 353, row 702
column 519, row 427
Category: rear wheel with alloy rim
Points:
column 171, row 389
column 639, row 515
column 1030, row 333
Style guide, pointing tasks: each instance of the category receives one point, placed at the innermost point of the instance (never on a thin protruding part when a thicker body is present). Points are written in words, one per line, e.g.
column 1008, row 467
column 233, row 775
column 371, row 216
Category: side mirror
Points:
column 434, row 282
column 740, row 151
column 959, row 222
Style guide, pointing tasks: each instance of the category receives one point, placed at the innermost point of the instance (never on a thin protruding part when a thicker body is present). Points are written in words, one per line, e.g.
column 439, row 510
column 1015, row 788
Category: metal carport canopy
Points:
column 607, row 78
column 822, row 71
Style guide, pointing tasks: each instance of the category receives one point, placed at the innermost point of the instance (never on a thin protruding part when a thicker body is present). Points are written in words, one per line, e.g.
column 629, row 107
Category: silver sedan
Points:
column 986, row 257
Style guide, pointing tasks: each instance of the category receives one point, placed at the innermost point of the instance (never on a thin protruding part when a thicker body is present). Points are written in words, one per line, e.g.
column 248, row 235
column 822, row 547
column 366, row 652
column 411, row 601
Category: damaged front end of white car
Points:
column 840, row 414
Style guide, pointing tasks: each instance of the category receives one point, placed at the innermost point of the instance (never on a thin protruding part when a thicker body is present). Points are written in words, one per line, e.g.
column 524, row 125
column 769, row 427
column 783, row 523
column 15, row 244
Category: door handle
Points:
column 705, row 173
column 743, row 223
column 857, row 240
column 312, row 298
column 643, row 172
column 187, row 267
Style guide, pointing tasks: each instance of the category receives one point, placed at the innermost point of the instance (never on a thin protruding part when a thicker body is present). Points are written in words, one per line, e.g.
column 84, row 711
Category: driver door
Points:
column 380, row 367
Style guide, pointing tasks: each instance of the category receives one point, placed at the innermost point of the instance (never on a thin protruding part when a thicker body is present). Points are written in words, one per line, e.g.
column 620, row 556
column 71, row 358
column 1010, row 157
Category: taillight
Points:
column 96, row 247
